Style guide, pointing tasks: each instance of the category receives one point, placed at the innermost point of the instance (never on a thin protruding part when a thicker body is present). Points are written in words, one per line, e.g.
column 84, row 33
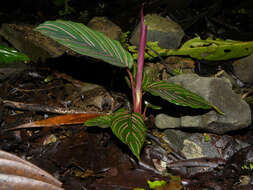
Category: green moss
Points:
column 149, row 54
column 158, row 23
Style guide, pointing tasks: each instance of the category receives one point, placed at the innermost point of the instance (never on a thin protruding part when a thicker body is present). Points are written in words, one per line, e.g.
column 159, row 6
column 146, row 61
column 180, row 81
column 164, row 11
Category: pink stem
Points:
column 132, row 85
column 142, row 45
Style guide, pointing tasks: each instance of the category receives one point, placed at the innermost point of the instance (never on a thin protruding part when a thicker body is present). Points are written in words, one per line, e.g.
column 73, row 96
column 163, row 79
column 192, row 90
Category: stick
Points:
column 42, row 108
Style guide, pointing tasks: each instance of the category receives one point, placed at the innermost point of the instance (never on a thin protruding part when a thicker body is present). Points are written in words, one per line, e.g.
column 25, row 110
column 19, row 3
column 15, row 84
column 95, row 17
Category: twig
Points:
column 198, row 162
column 145, row 166
column 42, row 108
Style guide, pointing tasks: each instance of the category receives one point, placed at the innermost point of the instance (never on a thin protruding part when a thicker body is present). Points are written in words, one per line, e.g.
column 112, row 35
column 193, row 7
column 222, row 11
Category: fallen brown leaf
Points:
column 13, row 182
column 10, row 163
column 68, row 119
column 19, row 174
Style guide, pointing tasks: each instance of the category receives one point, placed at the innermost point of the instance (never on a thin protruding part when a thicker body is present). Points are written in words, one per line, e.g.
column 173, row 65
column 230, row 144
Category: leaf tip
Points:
column 217, row 110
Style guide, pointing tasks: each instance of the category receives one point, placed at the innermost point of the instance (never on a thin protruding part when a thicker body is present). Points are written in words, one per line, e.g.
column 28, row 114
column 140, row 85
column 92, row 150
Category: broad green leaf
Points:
column 214, row 50
column 130, row 129
column 209, row 49
column 9, row 55
column 86, row 41
column 100, row 121
column 177, row 95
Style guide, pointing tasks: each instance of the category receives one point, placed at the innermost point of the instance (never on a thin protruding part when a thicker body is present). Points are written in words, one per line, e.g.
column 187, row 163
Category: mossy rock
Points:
column 168, row 33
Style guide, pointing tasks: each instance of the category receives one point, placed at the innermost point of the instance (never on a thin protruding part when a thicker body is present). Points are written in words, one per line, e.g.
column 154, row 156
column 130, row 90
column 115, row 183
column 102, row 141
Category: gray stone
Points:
column 164, row 121
column 175, row 138
column 243, row 69
column 191, row 121
column 218, row 91
column 104, row 25
column 168, row 33
column 194, row 145
column 32, row 43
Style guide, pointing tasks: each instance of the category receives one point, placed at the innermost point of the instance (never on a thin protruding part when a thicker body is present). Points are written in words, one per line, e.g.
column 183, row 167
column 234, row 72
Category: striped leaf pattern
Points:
column 100, row 121
column 176, row 94
column 9, row 55
column 130, row 129
column 86, row 41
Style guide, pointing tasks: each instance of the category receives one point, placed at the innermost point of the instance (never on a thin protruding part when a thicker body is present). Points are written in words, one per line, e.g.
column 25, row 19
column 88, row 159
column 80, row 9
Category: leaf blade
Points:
column 67, row 119
column 130, row 129
column 213, row 50
column 100, row 121
column 9, row 55
column 86, row 41
column 178, row 95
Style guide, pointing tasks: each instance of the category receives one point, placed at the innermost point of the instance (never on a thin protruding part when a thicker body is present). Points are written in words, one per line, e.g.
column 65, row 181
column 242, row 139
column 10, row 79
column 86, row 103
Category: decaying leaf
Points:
column 214, row 50
column 208, row 49
column 13, row 182
column 16, row 174
column 68, row 119
column 10, row 167
column 9, row 161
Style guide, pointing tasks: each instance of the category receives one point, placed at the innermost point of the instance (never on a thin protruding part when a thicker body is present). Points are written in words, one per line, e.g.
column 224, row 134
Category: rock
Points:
column 218, row 91
column 235, row 83
column 191, row 121
column 180, row 65
column 168, row 33
column 104, row 25
column 10, row 70
column 243, row 69
column 242, row 161
column 163, row 121
column 90, row 97
column 33, row 44
column 193, row 145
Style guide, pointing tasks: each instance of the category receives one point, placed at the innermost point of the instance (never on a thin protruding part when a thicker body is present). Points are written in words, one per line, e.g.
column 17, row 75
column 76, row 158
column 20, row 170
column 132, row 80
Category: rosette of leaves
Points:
column 128, row 126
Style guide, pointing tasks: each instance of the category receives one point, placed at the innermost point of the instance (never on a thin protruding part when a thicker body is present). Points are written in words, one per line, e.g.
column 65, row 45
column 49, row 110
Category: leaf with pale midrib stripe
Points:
column 130, row 129
column 86, row 41
column 176, row 94
column 9, row 55
column 100, row 121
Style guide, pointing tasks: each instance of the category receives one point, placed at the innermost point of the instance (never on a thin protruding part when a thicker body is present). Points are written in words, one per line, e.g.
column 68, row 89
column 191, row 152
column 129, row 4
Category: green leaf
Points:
column 176, row 94
column 86, row 41
column 154, row 184
column 130, row 129
column 100, row 121
column 214, row 50
column 9, row 55
column 152, row 106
